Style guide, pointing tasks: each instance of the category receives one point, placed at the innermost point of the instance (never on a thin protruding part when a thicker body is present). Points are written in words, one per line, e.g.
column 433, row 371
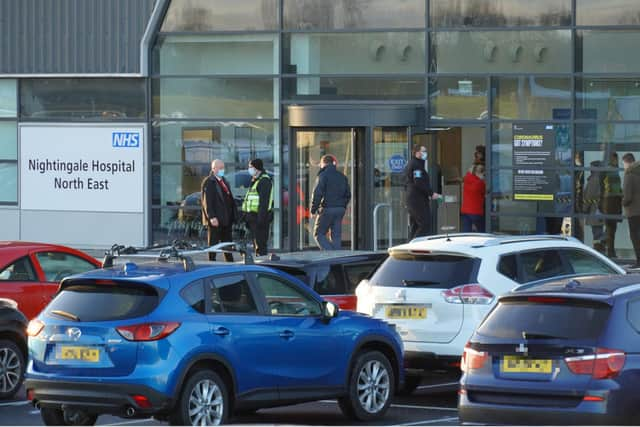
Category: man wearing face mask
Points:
column 258, row 206
column 418, row 193
column 219, row 210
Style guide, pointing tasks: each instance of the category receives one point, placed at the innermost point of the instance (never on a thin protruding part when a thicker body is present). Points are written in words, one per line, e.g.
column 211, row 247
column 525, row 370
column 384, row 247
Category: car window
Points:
column 193, row 294
column 508, row 267
column 633, row 314
column 58, row 265
column 537, row 265
column 231, row 294
column 357, row 272
column 584, row 262
column 284, row 299
column 329, row 281
column 19, row 271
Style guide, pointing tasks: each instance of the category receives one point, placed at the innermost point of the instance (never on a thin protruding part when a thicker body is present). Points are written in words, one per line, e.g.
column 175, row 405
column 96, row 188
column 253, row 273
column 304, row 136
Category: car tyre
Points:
column 411, row 383
column 57, row 417
column 204, row 400
column 11, row 368
column 370, row 388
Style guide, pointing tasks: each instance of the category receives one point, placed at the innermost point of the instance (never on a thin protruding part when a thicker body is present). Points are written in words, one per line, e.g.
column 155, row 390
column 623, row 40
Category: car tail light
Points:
column 472, row 359
column 468, row 294
column 34, row 328
column 147, row 331
column 605, row 363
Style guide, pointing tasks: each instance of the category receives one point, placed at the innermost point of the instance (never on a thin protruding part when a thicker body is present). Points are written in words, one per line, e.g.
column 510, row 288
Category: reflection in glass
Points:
column 8, row 141
column 605, row 98
column 352, row 14
column 348, row 88
column 217, row 54
column 531, row 98
column 607, row 51
column 350, row 53
column 625, row 136
column 221, row 15
column 501, row 51
column 9, row 182
column 83, row 99
column 458, row 98
column 212, row 97
column 8, row 98
column 500, row 13
column 609, row 12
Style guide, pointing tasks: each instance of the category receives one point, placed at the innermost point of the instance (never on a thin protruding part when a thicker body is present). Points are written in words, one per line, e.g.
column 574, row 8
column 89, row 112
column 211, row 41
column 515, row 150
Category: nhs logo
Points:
column 125, row 139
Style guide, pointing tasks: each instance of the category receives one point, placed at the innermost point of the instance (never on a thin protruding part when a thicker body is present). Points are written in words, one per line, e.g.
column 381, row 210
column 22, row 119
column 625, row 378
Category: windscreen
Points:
column 88, row 302
column 441, row 271
column 569, row 319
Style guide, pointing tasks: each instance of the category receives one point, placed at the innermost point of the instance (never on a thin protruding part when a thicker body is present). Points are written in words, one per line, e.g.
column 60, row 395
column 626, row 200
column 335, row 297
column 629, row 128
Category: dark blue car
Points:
column 562, row 352
column 194, row 344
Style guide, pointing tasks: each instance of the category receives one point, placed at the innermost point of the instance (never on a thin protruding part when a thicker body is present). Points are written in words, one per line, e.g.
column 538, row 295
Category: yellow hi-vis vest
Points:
column 251, row 201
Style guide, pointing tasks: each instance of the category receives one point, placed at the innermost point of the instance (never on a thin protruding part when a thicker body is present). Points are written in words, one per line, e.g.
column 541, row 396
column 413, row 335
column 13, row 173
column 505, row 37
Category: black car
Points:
column 13, row 347
column 562, row 352
column 332, row 274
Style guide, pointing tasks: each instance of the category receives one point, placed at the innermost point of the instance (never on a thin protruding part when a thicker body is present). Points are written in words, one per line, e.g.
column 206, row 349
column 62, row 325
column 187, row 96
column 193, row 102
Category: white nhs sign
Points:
column 125, row 139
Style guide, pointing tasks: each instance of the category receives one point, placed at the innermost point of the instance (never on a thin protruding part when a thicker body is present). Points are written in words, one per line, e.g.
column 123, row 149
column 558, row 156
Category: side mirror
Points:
column 329, row 310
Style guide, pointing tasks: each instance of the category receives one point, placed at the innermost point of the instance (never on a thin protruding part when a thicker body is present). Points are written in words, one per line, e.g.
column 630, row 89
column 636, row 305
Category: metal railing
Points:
column 375, row 224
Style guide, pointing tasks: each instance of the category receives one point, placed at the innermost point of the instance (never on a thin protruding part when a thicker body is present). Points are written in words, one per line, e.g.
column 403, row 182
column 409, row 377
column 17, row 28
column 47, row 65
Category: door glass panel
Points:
column 391, row 151
column 311, row 146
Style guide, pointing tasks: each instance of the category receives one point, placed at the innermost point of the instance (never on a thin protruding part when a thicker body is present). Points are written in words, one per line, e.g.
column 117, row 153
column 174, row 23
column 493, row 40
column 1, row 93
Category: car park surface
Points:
column 436, row 290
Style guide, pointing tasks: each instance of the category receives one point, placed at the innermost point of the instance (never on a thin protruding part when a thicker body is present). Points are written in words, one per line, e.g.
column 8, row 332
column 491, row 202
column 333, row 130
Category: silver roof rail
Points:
column 503, row 240
column 450, row 235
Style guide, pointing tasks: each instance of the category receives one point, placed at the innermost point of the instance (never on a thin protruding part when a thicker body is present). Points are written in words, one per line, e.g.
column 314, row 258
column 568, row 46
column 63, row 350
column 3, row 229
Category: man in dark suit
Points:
column 218, row 208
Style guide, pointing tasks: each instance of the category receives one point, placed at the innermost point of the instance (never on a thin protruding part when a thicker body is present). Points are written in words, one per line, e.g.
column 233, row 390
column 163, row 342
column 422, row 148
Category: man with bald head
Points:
column 219, row 210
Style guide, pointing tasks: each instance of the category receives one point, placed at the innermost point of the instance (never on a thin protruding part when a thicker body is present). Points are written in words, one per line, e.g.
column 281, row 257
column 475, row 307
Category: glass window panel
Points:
column 217, row 54
column 607, row 51
column 83, row 99
column 458, row 98
column 167, row 226
column 514, row 224
column 8, row 141
column 8, row 95
column 610, row 12
column 531, row 98
column 357, row 53
column 621, row 136
column 603, row 98
column 500, row 13
column 352, row 14
column 201, row 97
column 347, row 88
column 501, row 51
column 8, row 182
column 221, row 15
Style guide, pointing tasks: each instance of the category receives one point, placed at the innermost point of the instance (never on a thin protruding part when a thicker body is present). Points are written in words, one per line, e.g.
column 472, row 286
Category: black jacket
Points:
column 417, row 182
column 331, row 191
column 265, row 212
column 216, row 203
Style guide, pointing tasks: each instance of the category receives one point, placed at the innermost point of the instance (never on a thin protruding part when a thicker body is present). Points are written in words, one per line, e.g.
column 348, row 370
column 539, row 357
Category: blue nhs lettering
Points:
column 125, row 139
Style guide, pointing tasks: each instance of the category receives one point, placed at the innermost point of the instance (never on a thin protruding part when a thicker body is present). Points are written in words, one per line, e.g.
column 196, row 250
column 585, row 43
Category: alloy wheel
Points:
column 10, row 370
column 206, row 404
column 373, row 386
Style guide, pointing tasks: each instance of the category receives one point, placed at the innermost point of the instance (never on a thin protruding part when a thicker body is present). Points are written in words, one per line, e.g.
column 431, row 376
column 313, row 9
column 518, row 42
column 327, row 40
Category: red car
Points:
column 30, row 272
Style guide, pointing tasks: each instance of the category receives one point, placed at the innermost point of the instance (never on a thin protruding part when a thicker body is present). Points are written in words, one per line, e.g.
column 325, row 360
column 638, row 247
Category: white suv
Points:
column 437, row 289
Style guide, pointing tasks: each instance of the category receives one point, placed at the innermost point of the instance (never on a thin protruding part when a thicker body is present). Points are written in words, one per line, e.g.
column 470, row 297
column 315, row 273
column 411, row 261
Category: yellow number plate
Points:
column 518, row 364
column 87, row 354
column 405, row 312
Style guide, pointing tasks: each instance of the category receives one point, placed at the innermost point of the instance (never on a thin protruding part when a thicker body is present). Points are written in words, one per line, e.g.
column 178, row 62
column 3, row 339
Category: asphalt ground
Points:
column 434, row 403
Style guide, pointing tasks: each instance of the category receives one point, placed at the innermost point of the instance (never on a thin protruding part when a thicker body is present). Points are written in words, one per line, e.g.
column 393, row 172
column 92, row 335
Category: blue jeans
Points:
column 468, row 221
column 329, row 218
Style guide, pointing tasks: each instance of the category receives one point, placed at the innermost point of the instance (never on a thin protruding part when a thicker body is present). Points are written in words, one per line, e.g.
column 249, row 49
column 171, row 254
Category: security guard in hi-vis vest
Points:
column 258, row 206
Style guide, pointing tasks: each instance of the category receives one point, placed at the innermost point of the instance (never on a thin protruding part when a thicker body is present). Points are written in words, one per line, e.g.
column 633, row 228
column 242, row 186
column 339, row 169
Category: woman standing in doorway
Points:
column 473, row 193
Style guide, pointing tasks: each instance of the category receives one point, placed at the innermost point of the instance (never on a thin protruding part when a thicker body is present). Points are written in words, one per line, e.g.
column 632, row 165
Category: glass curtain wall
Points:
column 8, row 142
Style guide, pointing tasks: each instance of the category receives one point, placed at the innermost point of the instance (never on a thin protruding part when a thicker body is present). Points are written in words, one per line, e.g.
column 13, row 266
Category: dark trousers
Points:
column 217, row 235
column 610, row 228
column 259, row 233
column 468, row 221
column 329, row 219
column 419, row 219
column 634, row 233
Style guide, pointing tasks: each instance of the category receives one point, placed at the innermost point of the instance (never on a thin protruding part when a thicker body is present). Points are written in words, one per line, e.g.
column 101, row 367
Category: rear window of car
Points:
column 88, row 302
column 566, row 318
column 441, row 271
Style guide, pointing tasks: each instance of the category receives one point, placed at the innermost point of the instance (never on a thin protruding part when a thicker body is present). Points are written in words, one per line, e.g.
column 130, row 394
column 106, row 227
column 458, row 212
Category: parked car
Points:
column 193, row 344
column 436, row 290
column 31, row 272
column 13, row 348
column 332, row 274
column 563, row 352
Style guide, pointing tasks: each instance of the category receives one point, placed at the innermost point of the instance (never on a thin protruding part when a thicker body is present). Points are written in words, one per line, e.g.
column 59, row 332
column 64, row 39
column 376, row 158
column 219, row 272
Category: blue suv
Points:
column 193, row 344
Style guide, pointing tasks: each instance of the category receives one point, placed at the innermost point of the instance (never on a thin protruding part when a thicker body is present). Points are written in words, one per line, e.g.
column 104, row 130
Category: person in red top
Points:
column 473, row 193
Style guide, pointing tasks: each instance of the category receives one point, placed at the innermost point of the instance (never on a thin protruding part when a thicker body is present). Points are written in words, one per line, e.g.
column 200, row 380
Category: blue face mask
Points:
column 220, row 173
column 423, row 155
column 252, row 171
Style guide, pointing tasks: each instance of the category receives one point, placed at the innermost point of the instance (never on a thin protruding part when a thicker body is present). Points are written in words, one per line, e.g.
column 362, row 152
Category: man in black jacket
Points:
column 418, row 193
column 331, row 196
column 218, row 208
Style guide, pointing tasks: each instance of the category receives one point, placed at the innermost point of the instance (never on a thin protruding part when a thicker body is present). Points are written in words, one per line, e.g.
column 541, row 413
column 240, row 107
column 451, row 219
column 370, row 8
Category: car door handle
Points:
column 287, row 334
column 222, row 331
